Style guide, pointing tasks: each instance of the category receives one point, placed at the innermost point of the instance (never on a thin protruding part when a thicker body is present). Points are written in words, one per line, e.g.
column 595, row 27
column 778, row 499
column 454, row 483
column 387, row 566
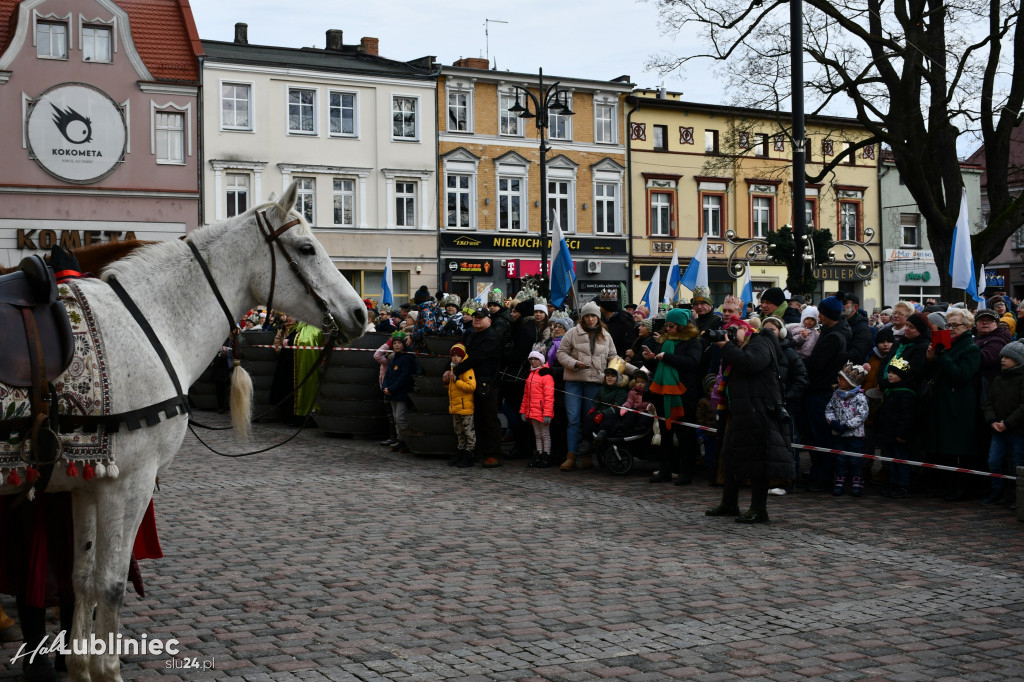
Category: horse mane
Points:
column 95, row 257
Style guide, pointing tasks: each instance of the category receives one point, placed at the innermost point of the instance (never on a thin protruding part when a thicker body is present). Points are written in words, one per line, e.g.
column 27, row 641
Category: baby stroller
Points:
column 618, row 452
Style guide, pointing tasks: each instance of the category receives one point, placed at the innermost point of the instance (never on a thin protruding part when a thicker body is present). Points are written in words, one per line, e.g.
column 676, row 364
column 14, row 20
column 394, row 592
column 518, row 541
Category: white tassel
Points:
column 31, row 493
column 101, row 470
column 656, row 438
column 113, row 471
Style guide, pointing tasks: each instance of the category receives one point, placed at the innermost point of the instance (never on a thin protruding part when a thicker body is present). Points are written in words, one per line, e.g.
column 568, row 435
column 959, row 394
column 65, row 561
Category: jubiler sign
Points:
column 76, row 133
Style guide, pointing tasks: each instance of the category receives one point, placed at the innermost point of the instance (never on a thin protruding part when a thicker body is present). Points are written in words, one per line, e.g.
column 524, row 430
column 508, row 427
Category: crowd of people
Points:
column 928, row 382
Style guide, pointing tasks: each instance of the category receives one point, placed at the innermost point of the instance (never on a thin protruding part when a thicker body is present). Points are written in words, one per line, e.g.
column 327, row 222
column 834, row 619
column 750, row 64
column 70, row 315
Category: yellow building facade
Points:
column 698, row 169
column 489, row 187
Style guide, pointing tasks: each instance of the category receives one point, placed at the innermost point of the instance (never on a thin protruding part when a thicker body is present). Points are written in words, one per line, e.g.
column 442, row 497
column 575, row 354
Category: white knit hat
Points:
column 809, row 311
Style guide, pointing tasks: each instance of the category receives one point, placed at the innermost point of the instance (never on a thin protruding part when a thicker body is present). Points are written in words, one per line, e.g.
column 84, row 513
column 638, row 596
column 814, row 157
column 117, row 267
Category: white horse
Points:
column 166, row 282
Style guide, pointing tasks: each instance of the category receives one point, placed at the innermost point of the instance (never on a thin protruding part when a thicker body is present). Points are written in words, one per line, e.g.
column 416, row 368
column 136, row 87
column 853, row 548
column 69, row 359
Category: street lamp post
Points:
column 551, row 99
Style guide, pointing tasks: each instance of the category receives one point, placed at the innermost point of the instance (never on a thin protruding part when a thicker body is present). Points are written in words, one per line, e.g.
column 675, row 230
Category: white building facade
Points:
column 355, row 130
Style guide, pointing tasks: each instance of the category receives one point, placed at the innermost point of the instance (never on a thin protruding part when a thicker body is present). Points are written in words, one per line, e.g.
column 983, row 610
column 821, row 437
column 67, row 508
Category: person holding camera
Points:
column 755, row 444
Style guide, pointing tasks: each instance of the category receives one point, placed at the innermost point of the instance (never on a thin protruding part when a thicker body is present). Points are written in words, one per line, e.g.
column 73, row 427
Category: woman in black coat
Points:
column 755, row 444
column 680, row 350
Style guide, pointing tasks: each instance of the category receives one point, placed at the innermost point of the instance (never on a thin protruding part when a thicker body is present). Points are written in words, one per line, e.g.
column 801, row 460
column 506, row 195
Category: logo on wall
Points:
column 76, row 133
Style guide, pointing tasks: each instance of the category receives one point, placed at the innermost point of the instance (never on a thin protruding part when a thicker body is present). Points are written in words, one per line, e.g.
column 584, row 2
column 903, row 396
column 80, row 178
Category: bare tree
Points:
column 919, row 75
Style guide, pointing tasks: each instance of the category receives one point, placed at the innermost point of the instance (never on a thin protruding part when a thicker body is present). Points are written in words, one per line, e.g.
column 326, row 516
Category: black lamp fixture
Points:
column 551, row 100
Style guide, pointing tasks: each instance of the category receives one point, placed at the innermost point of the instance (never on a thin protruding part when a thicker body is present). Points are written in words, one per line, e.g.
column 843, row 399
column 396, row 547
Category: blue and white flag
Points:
column 672, row 284
column 481, row 298
column 650, row 299
column 387, row 286
column 563, row 272
column 747, row 292
column 961, row 259
column 696, row 274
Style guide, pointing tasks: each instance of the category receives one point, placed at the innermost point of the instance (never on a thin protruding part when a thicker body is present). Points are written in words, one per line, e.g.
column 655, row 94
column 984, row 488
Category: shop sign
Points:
column 470, row 267
column 922, row 276
column 843, row 273
column 512, row 269
column 44, row 240
column 526, row 242
column 76, row 133
column 909, row 254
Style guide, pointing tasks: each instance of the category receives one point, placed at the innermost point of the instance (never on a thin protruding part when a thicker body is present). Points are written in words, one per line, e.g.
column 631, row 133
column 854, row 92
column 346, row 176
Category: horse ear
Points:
column 287, row 200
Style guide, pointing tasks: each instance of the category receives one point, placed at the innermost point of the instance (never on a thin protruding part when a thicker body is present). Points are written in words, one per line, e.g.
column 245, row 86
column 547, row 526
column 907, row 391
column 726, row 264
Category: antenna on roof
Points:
column 487, row 34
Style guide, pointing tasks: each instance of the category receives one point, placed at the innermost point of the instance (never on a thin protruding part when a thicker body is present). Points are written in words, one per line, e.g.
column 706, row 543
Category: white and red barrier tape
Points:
column 711, row 429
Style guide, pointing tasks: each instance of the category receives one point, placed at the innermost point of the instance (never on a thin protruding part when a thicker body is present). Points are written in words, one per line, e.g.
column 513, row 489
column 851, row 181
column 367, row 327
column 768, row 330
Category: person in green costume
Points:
column 305, row 395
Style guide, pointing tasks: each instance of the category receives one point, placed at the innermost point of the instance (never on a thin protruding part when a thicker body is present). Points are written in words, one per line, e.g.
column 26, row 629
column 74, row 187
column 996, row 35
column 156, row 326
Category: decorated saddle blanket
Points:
column 82, row 390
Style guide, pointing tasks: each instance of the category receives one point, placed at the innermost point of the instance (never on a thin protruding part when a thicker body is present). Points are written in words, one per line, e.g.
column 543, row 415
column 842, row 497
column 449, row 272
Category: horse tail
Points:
column 241, row 403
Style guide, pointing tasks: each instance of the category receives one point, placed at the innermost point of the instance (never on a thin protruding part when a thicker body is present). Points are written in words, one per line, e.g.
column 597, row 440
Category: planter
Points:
column 352, row 408
column 429, row 403
column 337, row 390
column 372, row 340
column 431, row 423
column 369, row 427
column 354, row 375
column 433, row 445
column 430, row 385
column 353, row 359
column 434, row 367
column 440, row 345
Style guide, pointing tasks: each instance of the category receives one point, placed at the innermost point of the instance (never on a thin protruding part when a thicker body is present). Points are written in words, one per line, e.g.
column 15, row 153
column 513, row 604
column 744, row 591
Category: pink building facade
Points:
column 99, row 105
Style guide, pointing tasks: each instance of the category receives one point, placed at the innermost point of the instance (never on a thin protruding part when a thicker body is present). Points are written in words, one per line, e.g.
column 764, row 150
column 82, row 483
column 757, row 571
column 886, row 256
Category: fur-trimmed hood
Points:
column 686, row 333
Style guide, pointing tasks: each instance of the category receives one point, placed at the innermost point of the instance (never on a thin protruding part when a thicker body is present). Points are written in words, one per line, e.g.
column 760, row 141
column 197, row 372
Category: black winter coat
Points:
column 622, row 329
column 483, row 356
column 755, row 444
column 1006, row 400
column 685, row 358
column 862, row 340
column 524, row 335
column 896, row 418
column 828, row 357
column 793, row 373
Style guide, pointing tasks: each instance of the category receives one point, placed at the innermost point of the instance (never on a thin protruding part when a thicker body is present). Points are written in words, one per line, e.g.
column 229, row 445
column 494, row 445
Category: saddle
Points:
column 36, row 343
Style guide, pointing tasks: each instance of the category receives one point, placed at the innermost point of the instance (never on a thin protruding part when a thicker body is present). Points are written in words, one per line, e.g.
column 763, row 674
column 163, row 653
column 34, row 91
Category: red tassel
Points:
column 598, row 418
column 31, row 474
column 14, row 479
column 72, row 470
column 88, row 472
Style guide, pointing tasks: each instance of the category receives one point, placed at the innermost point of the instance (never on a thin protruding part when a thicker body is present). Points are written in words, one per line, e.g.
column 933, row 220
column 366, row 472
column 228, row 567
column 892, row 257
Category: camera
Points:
column 716, row 335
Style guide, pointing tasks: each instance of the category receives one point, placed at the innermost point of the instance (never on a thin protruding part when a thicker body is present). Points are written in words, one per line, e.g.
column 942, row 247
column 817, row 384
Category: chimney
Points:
column 241, row 34
column 472, row 63
column 334, row 40
column 369, row 45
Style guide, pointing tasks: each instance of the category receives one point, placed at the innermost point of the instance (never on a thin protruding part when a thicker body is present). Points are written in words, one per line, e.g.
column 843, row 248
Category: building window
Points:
column 457, row 199
column 367, row 284
column 760, row 144
column 405, row 204
column 170, row 137
column 96, row 43
column 606, row 208
column 910, row 225
column 51, row 40
column 851, row 160
column 661, row 214
column 660, row 138
column 560, row 203
column 510, row 203
column 302, row 111
column 712, row 214
column 559, row 126
column 760, row 216
column 344, row 202
column 342, row 113
column 305, row 204
column 509, row 122
column 235, row 106
column 811, row 213
column 404, row 118
column 849, row 218
column 604, row 123
column 710, row 141
column 458, row 112
column 1018, row 238
column 237, row 187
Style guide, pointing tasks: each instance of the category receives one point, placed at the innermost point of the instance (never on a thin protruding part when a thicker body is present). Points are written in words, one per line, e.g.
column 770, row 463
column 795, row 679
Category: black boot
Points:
column 468, row 460
column 459, row 455
column 753, row 516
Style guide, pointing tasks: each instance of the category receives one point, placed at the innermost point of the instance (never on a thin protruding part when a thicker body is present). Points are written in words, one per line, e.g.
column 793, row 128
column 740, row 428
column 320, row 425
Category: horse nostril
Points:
column 360, row 315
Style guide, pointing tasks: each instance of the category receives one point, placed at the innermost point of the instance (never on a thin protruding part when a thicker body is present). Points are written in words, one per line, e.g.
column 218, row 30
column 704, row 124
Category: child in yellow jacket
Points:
column 460, row 406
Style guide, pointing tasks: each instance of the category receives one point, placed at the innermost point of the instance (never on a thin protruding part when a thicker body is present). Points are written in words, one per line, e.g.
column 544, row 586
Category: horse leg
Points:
column 84, row 512
column 119, row 510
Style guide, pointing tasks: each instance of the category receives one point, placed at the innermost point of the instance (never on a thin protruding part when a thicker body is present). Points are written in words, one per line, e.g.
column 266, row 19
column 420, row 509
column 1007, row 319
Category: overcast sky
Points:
column 599, row 39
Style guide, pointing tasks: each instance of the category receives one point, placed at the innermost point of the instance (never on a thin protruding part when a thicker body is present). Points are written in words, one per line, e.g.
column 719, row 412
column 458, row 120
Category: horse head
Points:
column 309, row 287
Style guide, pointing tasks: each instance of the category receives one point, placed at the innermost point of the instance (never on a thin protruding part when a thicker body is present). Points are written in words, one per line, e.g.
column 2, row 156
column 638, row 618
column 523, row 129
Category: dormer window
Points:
column 96, row 43
column 52, row 39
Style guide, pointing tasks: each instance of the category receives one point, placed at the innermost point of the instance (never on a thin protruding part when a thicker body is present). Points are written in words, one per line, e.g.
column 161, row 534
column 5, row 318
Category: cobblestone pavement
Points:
column 334, row 559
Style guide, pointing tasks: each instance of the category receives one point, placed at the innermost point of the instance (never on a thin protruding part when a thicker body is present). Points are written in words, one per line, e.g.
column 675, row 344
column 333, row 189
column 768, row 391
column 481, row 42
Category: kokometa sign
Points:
column 76, row 133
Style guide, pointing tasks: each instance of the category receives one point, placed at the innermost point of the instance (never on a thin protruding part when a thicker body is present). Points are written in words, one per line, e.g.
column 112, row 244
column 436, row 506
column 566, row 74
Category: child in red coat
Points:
column 539, row 407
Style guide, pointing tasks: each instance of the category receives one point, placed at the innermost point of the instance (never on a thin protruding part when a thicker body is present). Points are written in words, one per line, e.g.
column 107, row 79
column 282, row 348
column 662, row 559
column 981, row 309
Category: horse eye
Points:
column 307, row 250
